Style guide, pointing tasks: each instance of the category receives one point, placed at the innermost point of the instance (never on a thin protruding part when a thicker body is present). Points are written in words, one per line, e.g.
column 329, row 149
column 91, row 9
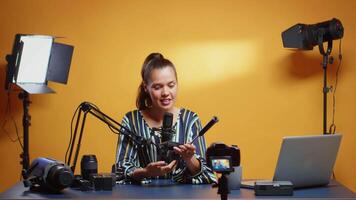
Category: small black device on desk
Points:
column 273, row 188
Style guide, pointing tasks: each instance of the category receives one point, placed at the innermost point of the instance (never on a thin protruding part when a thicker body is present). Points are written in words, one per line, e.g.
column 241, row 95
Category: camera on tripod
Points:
column 225, row 160
column 222, row 158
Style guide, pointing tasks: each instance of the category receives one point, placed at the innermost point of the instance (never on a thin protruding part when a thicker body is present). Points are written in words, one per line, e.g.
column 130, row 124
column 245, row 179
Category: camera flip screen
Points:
column 221, row 164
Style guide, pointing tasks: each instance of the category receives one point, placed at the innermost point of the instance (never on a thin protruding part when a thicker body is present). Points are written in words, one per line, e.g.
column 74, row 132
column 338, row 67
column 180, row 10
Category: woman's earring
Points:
column 144, row 89
column 147, row 104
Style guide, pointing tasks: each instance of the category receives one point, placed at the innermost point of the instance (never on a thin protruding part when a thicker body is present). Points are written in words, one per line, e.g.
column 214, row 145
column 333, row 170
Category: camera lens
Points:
column 89, row 165
column 59, row 177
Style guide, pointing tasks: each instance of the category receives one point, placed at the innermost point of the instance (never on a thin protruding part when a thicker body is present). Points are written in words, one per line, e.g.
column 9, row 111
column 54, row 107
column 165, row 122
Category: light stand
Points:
column 326, row 89
column 26, row 122
column 26, row 118
column 305, row 37
column 35, row 60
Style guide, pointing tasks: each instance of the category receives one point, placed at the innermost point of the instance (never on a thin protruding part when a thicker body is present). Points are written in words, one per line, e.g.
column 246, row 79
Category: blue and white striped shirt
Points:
column 187, row 127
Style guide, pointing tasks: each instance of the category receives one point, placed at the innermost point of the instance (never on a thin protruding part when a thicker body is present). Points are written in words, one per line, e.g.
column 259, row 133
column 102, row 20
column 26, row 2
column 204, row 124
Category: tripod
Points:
column 223, row 186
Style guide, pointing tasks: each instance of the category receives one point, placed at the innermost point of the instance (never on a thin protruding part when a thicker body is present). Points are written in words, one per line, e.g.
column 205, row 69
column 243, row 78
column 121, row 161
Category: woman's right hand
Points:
column 159, row 168
column 153, row 169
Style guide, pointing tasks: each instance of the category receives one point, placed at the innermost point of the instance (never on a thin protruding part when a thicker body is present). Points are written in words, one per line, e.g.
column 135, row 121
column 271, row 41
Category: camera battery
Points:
column 103, row 181
column 273, row 188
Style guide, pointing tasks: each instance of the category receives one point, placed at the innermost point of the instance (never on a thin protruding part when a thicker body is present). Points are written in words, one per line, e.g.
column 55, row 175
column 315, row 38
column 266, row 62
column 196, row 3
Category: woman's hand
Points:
column 187, row 152
column 153, row 169
column 159, row 168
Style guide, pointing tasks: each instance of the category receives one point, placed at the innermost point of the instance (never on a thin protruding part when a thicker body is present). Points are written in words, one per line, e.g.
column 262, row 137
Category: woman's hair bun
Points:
column 154, row 56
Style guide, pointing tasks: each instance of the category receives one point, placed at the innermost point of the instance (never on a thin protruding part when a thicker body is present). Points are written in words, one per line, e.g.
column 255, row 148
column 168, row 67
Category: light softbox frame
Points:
column 37, row 59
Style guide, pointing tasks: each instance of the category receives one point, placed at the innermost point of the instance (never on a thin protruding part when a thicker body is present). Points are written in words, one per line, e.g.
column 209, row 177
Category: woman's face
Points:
column 162, row 88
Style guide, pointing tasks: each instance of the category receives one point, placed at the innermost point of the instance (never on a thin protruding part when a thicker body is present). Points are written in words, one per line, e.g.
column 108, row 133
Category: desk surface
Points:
column 165, row 189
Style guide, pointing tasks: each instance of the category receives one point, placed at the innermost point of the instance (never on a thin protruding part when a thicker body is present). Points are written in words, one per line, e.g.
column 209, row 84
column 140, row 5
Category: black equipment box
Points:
column 103, row 181
column 273, row 188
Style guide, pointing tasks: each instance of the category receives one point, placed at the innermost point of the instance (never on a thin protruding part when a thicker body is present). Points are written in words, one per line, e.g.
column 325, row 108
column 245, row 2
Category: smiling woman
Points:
column 159, row 84
column 157, row 95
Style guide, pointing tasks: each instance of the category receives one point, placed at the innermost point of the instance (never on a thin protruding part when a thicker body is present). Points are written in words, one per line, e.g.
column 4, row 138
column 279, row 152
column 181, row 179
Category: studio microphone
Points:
column 167, row 131
column 165, row 148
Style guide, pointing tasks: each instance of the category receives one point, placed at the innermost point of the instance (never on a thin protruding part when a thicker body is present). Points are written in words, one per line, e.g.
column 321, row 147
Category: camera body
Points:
column 222, row 158
column 166, row 153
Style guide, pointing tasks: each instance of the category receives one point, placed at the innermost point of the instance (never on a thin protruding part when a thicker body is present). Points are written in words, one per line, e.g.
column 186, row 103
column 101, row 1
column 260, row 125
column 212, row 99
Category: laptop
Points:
column 306, row 161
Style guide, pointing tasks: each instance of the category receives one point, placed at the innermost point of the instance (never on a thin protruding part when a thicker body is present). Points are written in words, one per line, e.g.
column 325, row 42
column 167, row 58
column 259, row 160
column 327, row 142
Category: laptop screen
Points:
column 307, row 161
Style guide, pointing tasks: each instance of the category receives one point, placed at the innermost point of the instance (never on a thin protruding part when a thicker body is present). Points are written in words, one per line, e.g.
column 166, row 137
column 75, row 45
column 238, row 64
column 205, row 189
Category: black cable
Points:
column 8, row 112
column 71, row 126
column 71, row 133
column 332, row 128
column 114, row 131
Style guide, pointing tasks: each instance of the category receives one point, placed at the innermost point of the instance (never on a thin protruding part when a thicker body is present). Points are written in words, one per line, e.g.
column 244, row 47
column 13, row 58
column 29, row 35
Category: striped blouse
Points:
column 187, row 127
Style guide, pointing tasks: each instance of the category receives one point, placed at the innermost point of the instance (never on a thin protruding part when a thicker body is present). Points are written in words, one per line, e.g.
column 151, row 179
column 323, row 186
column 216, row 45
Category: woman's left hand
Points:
column 187, row 151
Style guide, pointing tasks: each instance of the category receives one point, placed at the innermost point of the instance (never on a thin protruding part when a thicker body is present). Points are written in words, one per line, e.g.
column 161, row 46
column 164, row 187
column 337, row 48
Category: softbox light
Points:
column 305, row 37
column 35, row 60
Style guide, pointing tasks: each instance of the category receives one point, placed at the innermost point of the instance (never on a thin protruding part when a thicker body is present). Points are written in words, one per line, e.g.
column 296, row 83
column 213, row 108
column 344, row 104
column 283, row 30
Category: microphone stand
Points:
column 141, row 144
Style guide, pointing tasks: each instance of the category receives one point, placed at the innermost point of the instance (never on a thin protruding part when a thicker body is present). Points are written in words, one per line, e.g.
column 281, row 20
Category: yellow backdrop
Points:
column 230, row 63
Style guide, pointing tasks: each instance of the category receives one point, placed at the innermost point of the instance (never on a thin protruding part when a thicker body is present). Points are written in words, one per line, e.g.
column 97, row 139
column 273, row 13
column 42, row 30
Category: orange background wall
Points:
column 230, row 63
